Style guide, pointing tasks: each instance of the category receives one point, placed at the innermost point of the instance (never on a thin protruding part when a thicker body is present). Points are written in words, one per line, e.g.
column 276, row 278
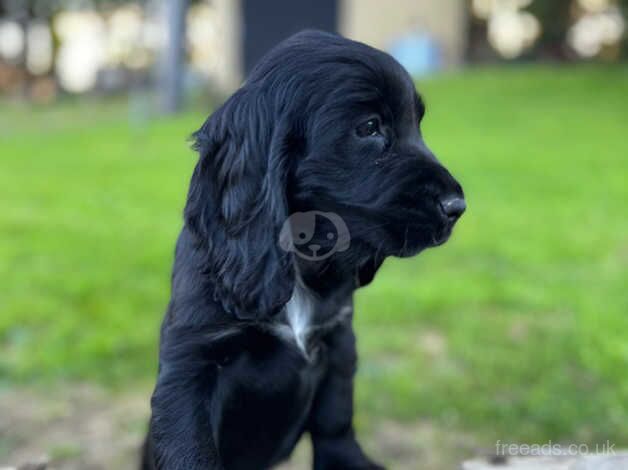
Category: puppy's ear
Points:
column 237, row 205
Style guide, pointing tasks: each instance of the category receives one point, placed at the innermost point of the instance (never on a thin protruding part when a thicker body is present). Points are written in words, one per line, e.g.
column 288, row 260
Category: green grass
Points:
column 516, row 329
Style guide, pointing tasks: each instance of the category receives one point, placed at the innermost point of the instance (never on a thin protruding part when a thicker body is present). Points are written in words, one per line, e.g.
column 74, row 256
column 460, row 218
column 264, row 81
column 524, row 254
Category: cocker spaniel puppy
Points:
column 309, row 176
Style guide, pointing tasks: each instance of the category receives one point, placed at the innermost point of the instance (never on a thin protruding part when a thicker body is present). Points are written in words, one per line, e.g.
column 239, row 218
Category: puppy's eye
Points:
column 369, row 128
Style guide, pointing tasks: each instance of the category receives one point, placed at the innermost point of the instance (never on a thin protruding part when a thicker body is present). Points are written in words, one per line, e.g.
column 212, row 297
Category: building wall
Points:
column 374, row 22
column 378, row 23
column 229, row 19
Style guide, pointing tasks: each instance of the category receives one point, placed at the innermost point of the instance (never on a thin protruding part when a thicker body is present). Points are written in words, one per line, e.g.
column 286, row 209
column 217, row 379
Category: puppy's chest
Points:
column 307, row 319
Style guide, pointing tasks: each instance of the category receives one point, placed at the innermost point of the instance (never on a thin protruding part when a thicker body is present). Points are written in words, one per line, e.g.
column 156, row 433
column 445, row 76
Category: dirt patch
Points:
column 78, row 427
column 83, row 427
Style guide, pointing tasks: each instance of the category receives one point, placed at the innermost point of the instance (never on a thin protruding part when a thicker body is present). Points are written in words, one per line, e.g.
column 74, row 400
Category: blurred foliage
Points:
column 516, row 329
column 46, row 8
column 555, row 18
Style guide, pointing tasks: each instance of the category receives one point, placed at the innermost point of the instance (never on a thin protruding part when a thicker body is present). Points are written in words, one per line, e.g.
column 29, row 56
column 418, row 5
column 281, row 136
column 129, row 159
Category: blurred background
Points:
column 516, row 330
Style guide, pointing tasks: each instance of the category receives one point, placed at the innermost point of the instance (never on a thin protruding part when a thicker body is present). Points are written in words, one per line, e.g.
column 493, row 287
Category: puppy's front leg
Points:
column 180, row 436
column 330, row 424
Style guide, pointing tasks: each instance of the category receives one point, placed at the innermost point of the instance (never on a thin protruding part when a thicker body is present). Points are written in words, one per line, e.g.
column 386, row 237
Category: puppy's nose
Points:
column 453, row 206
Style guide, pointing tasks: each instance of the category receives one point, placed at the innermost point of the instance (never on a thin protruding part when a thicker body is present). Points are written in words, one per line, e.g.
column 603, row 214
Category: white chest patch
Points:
column 299, row 322
column 299, row 312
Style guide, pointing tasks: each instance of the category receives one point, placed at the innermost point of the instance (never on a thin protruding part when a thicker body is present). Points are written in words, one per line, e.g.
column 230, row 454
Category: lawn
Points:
column 517, row 329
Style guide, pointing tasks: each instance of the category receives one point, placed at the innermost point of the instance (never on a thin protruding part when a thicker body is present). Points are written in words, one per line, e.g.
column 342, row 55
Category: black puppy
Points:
column 257, row 345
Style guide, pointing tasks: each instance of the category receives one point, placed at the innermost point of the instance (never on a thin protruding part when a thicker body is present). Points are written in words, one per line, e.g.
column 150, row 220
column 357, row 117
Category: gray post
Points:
column 171, row 80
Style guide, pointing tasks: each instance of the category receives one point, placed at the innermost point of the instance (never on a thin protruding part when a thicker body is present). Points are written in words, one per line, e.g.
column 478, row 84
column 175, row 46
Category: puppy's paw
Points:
column 365, row 465
column 342, row 454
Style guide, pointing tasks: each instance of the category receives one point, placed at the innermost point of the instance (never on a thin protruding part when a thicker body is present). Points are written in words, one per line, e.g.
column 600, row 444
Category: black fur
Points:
column 233, row 392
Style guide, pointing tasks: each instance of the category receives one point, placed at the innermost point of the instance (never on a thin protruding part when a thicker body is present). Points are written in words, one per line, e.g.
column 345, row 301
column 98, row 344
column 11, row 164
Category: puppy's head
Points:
column 326, row 126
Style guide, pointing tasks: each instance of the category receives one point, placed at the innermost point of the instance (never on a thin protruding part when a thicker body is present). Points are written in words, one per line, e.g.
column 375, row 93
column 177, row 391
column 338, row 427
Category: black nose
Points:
column 453, row 206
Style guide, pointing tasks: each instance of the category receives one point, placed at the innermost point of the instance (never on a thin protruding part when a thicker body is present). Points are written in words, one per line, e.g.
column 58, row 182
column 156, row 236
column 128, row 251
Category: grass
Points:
column 517, row 329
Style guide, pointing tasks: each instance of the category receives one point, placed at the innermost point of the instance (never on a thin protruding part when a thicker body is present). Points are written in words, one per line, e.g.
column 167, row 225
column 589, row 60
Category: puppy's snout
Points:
column 453, row 206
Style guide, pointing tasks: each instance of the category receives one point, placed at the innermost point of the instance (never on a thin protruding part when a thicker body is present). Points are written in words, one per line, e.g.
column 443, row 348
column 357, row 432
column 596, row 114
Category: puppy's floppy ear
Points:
column 237, row 205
